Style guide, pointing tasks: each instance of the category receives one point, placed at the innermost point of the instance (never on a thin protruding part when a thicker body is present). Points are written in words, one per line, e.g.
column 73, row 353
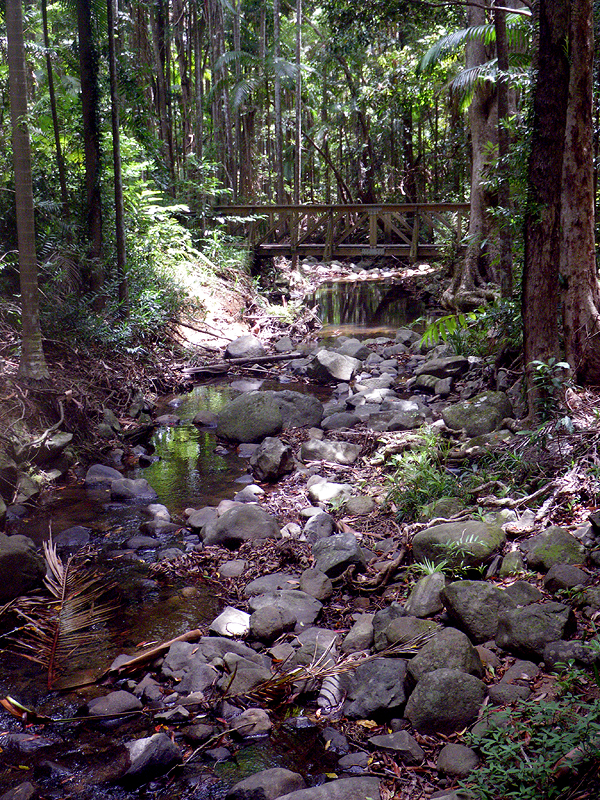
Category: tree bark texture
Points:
column 32, row 363
column 542, row 217
column 581, row 297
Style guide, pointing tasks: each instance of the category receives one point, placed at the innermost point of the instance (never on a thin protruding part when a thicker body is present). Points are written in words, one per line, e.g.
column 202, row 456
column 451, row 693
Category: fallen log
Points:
column 223, row 366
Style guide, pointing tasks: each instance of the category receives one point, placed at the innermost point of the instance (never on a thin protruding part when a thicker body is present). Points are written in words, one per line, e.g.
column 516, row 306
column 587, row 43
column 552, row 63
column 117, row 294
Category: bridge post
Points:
column 414, row 245
column 328, row 249
column 373, row 214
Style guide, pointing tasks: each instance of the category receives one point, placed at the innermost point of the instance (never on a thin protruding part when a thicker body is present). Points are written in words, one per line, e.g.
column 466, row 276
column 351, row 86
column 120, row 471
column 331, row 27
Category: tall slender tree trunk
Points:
column 543, row 213
column 581, row 296
column 118, row 177
column 298, row 153
column 277, row 105
column 60, row 162
column 504, row 233
column 88, row 70
column 32, row 364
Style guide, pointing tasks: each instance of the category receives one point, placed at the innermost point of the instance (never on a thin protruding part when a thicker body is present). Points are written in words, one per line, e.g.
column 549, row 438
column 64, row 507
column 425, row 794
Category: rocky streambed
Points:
column 367, row 644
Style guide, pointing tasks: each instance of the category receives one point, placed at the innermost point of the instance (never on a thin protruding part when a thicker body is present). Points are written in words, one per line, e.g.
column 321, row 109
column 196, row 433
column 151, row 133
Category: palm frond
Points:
column 61, row 629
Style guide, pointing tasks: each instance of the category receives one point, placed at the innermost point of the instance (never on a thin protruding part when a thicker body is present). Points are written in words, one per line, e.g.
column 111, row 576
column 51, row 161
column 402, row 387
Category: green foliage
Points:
column 420, row 477
column 525, row 749
column 482, row 332
column 550, row 379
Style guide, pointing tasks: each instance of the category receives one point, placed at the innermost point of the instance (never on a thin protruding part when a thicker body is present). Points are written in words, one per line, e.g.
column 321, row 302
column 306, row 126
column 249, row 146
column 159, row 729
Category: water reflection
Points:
column 366, row 307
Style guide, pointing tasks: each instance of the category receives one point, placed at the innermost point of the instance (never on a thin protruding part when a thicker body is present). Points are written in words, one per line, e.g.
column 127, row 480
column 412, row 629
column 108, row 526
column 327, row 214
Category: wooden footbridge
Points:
column 412, row 231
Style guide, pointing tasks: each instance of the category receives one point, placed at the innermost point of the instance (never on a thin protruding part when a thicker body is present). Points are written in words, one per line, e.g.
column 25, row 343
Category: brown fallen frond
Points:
column 60, row 628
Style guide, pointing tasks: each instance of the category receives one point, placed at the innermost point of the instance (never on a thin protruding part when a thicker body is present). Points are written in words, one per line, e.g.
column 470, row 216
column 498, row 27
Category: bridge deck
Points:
column 410, row 230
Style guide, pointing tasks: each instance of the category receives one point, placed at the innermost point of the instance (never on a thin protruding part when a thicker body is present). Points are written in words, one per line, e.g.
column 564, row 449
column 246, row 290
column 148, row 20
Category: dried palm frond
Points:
column 285, row 685
column 62, row 628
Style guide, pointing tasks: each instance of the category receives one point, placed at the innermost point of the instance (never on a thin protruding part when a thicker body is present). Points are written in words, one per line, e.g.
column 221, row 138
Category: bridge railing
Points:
column 411, row 229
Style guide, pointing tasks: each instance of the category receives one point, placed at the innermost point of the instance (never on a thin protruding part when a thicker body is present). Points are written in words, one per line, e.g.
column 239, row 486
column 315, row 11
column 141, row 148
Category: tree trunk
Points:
column 581, row 297
column 465, row 290
column 277, row 105
column 542, row 216
column 118, row 178
column 32, row 363
column 504, row 234
column 88, row 70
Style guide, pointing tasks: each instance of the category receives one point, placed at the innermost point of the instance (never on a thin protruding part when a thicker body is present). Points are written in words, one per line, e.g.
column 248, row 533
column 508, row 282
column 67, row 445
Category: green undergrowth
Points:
column 539, row 749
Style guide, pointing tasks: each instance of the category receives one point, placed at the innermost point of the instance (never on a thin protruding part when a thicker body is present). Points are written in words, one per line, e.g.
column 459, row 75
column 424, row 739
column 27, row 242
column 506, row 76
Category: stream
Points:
column 191, row 470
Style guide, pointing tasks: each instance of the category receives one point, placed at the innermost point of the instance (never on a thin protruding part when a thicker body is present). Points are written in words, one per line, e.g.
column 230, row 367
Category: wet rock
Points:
column 341, row 789
column 24, row 791
column 150, row 757
column 456, row 759
column 482, row 414
column 327, row 367
column 298, row 410
column 141, row 543
column 21, row 567
column 425, row 598
column 242, row 523
column 512, row 564
column 266, row 785
column 335, row 741
column 444, row 701
column 205, row 419
column 217, row 647
column 336, row 553
column 474, row 606
column 353, row 348
column 169, row 420
column 243, row 676
column 100, row 475
column 553, row 546
column 174, row 716
column 356, row 763
column 375, row 689
column 197, row 520
column 249, row 494
column 328, row 450
column 522, row 593
column 319, row 526
column 448, row 649
column 467, row 543
column 247, row 346
column 401, row 744
column 114, row 703
column 565, row 576
column 24, row 742
column 126, row 489
column 231, row 622
column 252, row 723
column 72, row 539
column 529, row 629
column 316, row 584
column 272, row 460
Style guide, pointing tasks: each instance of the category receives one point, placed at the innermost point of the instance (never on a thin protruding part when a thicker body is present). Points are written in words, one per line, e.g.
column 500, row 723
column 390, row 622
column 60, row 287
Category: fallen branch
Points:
column 223, row 366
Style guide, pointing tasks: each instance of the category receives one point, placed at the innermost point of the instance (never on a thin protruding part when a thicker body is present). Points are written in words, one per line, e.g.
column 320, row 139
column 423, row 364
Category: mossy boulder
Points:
column 460, row 544
column 553, row 546
column 480, row 415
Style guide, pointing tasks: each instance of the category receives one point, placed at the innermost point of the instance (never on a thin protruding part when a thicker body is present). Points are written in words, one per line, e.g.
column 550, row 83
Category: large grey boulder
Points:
column 482, row 414
column 447, row 367
column 101, row 475
column 21, row 567
column 448, row 649
column 460, row 544
column 529, row 629
column 127, row 489
column 268, row 784
column 375, row 689
column 246, row 346
column 401, row 744
column 298, row 410
column 330, row 450
column 341, row 789
column 271, row 460
column 475, row 606
column 328, row 367
column 553, row 546
column 445, row 701
column 250, row 417
column 304, row 608
column 241, row 523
